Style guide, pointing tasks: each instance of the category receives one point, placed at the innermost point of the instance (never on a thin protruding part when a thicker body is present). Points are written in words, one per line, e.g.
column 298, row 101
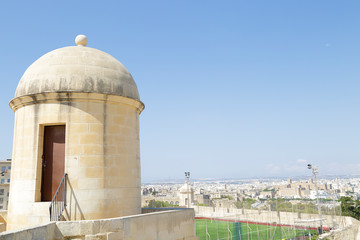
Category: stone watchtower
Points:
column 76, row 113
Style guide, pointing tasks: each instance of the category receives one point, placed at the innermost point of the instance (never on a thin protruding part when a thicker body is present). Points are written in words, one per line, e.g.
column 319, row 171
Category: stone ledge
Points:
column 52, row 97
column 173, row 224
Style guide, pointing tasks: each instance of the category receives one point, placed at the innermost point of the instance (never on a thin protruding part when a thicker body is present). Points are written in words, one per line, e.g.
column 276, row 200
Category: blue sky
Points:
column 231, row 88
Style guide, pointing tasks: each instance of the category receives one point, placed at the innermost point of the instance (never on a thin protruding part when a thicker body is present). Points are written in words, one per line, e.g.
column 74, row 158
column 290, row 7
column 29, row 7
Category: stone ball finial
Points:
column 81, row 40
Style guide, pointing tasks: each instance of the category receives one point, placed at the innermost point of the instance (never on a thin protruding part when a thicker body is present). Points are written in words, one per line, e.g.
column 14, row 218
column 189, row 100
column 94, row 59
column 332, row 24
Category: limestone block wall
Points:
column 152, row 226
column 350, row 232
column 102, row 156
column 287, row 218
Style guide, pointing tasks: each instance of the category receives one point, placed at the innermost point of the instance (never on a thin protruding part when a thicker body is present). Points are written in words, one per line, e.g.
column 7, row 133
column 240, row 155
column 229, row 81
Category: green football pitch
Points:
column 208, row 229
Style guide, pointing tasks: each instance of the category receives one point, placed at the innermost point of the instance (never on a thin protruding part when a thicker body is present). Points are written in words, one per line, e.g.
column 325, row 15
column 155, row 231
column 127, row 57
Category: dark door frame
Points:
column 53, row 160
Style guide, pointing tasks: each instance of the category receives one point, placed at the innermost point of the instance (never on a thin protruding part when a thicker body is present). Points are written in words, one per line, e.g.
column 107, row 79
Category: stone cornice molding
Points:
column 62, row 97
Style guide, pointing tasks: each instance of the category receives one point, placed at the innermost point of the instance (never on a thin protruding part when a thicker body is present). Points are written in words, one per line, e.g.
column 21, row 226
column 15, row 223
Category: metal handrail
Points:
column 58, row 203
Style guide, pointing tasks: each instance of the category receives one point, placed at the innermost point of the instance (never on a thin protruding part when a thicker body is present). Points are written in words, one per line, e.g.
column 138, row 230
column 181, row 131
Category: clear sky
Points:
column 232, row 88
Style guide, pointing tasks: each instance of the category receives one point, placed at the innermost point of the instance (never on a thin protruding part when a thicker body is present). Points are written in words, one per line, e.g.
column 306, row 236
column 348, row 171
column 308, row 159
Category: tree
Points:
column 159, row 204
column 245, row 204
column 350, row 207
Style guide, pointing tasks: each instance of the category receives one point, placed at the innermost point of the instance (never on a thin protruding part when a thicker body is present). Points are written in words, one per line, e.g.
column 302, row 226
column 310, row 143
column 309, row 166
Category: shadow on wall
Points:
column 2, row 220
column 73, row 210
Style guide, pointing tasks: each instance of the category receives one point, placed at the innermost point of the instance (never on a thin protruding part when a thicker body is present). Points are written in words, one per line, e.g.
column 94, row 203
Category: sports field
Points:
column 208, row 229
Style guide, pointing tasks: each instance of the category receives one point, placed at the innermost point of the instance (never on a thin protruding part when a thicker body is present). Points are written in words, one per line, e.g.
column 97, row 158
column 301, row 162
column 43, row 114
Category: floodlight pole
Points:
column 315, row 170
column 187, row 176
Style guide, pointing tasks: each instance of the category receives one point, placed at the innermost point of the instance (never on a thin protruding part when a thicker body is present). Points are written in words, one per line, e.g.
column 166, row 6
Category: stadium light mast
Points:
column 315, row 170
column 187, row 176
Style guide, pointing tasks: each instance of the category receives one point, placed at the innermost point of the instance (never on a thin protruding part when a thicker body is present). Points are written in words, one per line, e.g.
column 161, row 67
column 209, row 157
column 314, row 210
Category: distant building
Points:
column 185, row 192
column 203, row 199
column 267, row 194
column 223, row 203
column 300, row 189
column 5, row 170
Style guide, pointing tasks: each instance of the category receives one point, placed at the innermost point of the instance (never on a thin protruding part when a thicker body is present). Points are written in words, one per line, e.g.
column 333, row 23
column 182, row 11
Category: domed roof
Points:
column 77, row 69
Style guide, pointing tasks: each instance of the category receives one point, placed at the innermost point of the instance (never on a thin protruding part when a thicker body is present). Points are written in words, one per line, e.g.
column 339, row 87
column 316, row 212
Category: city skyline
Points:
column 242, row 89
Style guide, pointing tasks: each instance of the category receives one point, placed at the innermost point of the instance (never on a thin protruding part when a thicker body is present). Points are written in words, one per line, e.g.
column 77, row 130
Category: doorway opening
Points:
column 53, row 161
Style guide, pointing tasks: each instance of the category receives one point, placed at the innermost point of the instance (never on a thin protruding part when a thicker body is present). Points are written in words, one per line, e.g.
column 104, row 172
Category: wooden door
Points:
column 53, row 161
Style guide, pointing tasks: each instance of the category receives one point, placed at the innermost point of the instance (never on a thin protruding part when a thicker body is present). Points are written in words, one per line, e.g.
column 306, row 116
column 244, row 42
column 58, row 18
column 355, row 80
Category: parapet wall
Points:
column 349, row 232
column 159, row 225
column 286, row 218
column 345, row 227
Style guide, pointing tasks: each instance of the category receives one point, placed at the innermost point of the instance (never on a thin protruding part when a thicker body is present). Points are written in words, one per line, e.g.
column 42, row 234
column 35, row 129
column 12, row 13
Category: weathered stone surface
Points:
column 69, row 228
column 89, row 227
column 77, row 69
column 2, row 227
column 7, row 236
column 152, row 226
column 111, row 225
column 115, row 236
column 96, row 237
column 101, row 157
